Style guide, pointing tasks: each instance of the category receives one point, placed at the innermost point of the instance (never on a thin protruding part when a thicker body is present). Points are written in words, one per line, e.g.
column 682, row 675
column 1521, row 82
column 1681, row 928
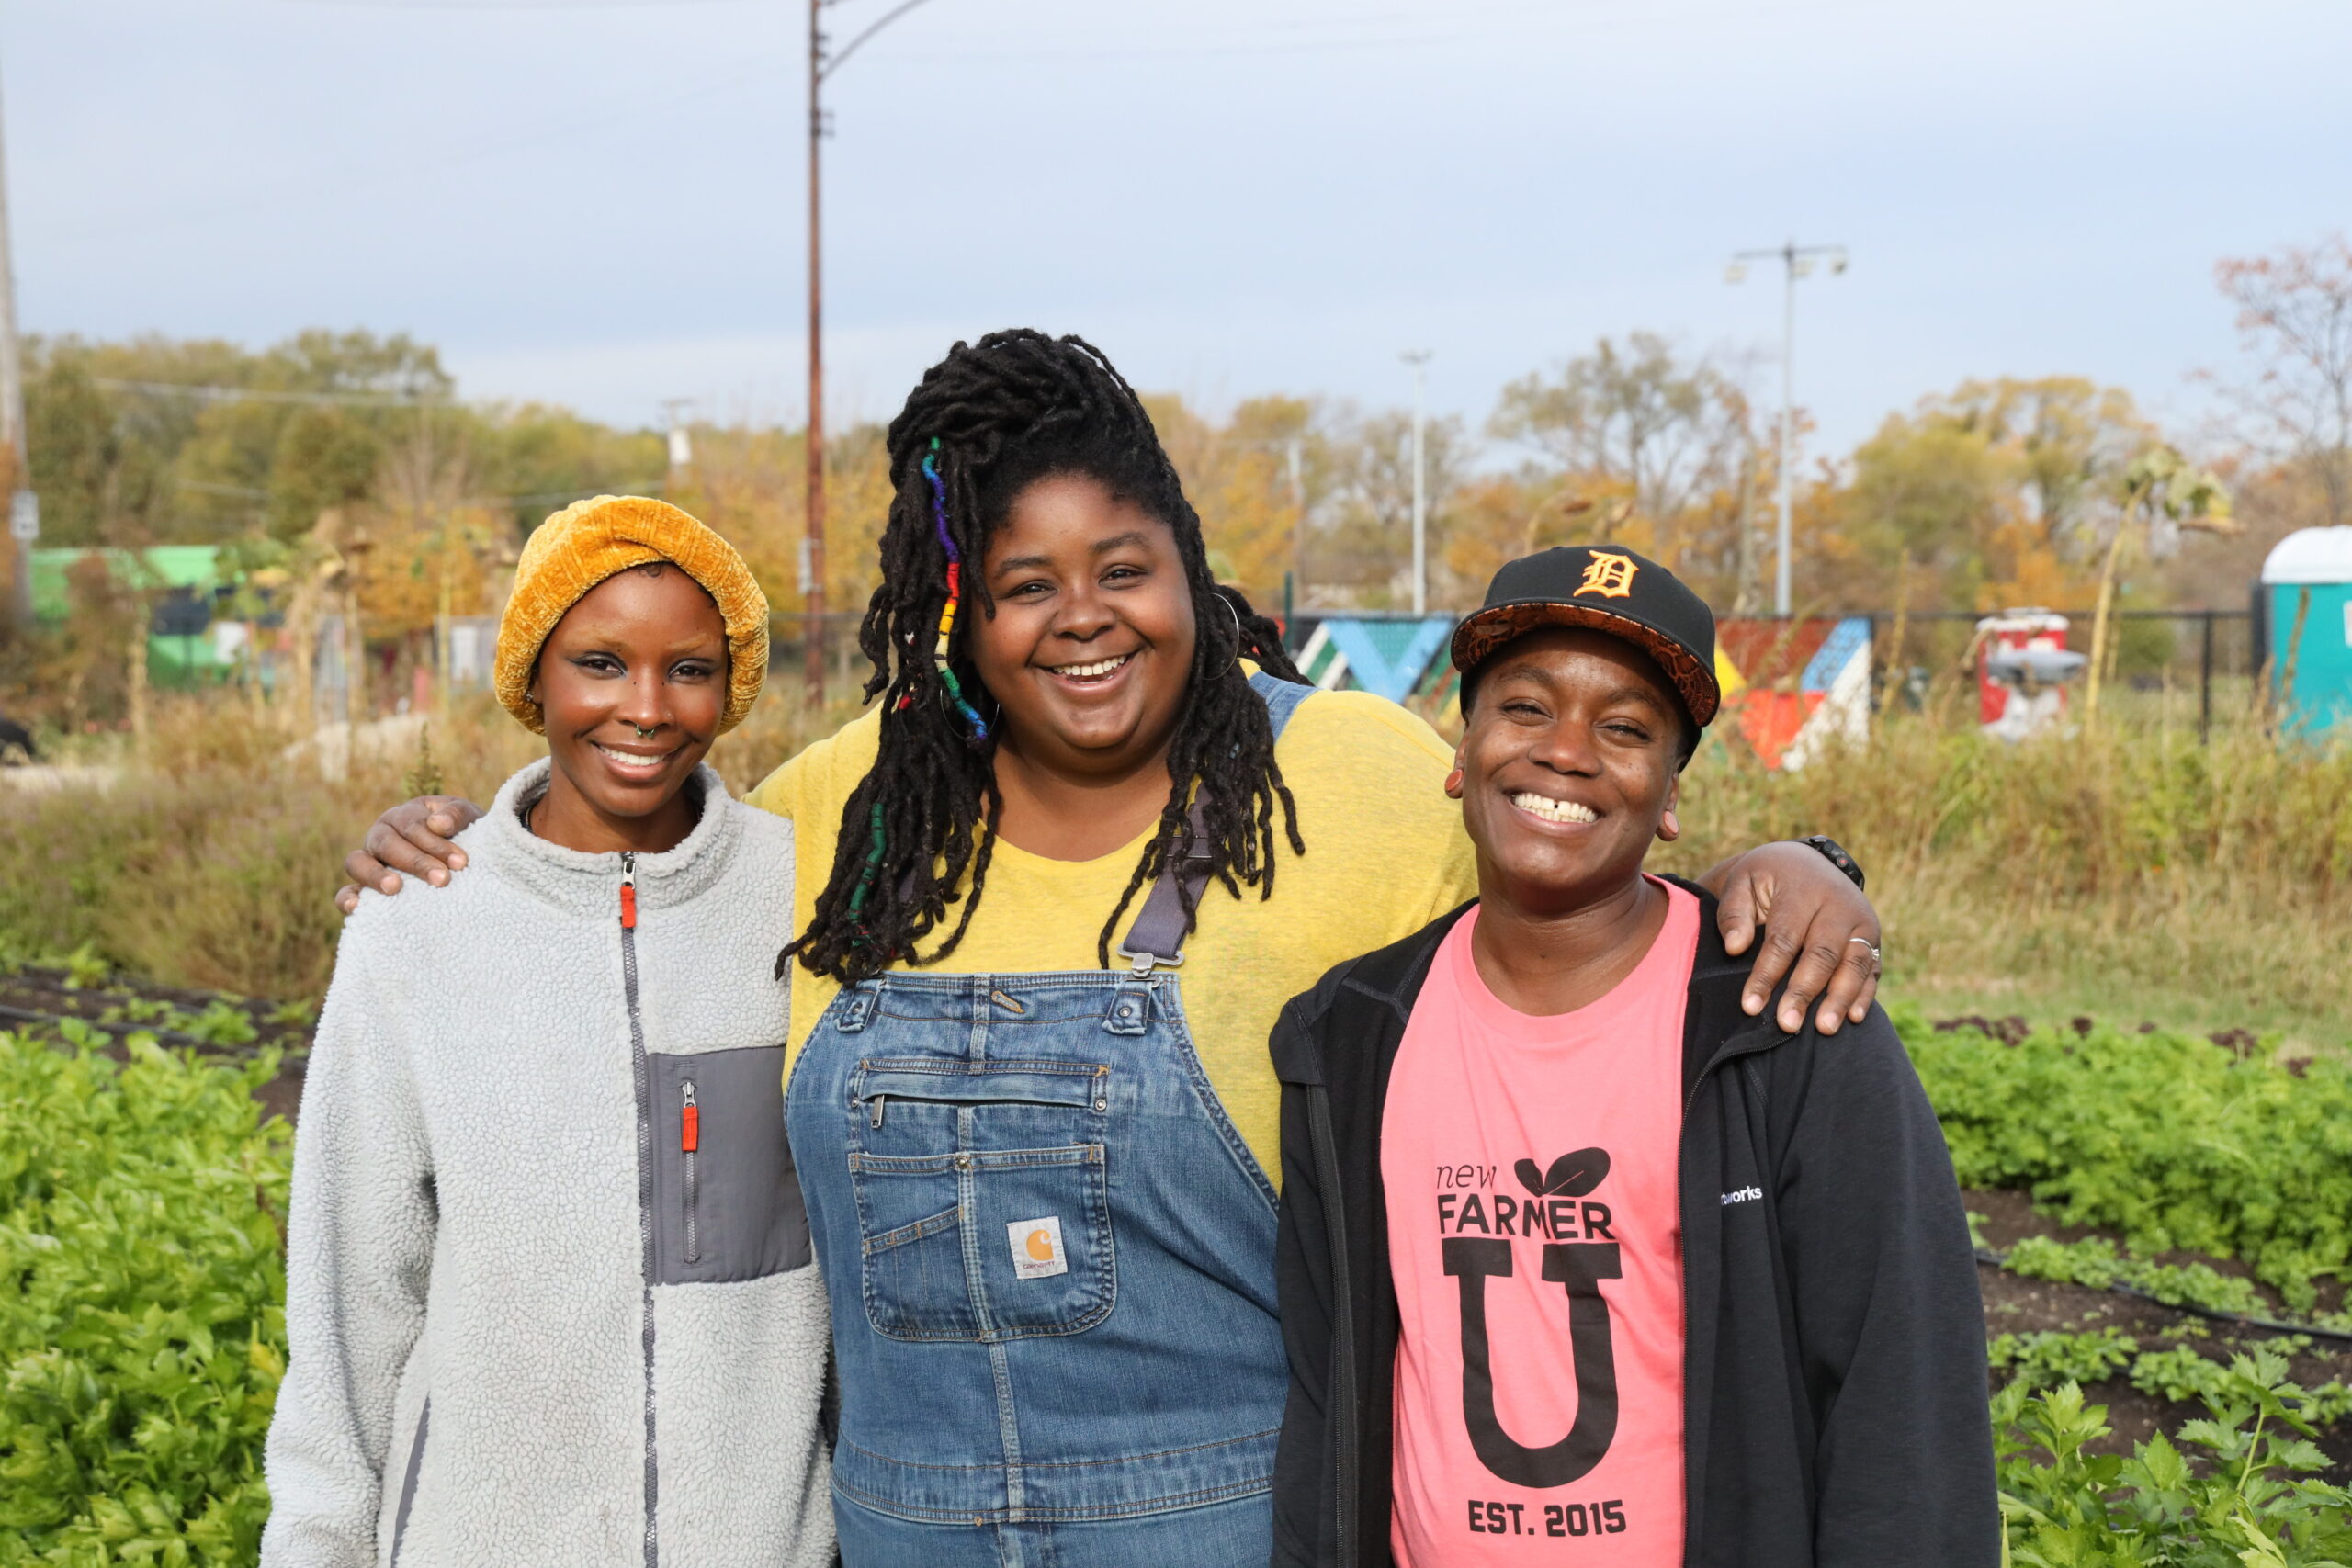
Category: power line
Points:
column 341, row 182
column 333, row 182
column 543, row 498
column 513, row 5
column 1423, row 29
column 259, row 395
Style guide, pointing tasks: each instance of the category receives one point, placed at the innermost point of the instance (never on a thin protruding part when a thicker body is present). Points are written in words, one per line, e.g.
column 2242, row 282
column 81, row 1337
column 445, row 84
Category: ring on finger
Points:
column 1869, row 944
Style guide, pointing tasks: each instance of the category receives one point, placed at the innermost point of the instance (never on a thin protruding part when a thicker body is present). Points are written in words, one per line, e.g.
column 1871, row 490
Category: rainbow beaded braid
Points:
column 979, row 727
column 878, row 840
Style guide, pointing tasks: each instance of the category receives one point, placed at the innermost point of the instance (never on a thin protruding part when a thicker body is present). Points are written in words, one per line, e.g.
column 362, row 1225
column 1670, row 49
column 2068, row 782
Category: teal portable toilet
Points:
column 2303, row 623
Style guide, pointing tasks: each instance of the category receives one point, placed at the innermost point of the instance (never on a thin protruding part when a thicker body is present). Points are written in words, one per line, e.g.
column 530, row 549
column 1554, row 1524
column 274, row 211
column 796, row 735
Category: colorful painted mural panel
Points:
column 1792, row 687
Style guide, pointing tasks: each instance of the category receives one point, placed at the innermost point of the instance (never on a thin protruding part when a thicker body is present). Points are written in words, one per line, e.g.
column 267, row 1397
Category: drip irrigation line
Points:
column 123, row 1031
column 2240, row 1319
column 38, row 985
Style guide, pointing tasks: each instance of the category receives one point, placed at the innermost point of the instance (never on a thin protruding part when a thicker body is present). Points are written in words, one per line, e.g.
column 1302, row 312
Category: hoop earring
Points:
column 947, row 705
column 1237, row 628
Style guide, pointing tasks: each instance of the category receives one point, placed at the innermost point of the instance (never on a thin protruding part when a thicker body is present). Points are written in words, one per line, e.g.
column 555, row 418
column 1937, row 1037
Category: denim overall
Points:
column 1051, row 1265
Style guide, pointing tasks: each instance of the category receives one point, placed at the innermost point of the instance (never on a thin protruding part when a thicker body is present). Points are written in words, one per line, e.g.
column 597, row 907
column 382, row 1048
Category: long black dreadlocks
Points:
column 986, row 422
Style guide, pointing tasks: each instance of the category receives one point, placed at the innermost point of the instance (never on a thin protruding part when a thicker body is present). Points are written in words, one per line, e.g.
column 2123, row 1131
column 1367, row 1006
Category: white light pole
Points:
column 1796, row 261
column 1419, row 358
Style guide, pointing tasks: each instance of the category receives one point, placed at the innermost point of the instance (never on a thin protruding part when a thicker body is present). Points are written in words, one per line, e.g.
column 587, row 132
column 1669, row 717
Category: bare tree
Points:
column 2295, row 317
column 1364, row 517
column 1674, row 432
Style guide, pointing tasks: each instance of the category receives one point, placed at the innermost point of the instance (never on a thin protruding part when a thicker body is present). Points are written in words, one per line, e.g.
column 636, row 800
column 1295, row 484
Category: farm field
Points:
column 149, row 1139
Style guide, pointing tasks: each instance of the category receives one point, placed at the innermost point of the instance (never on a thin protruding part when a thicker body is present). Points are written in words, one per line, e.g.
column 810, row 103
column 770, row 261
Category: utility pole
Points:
column 812, row 559
column 813, row 549
column 1419, row 358
column 24, row 510
column 1796, row 261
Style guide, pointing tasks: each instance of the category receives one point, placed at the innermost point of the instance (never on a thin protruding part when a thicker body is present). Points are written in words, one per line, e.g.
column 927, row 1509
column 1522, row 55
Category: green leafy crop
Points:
column 144, row 1336
column 2241, row 1496
column 2050, row 1358
column 2167, row 1138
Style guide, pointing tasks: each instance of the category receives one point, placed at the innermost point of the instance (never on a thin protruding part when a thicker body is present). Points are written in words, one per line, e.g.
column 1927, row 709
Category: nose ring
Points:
column 643, row 731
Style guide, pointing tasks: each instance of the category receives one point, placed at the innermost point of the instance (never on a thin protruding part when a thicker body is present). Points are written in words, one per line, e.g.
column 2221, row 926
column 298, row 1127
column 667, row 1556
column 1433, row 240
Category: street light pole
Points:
column 1419, row 359
column 1796, row 261
column 813, row 561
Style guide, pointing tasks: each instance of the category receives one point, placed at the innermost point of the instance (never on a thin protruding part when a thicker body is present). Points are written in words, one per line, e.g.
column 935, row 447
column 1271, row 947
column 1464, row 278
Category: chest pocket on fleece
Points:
column 983, row 1196
column 727, row 1202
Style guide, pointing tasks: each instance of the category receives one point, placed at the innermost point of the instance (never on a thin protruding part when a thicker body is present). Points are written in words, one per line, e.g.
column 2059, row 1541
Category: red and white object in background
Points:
column 2030, row 628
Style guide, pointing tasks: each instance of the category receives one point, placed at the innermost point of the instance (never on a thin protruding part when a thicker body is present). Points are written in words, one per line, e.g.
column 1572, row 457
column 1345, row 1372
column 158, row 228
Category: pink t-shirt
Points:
column 1535, row 1231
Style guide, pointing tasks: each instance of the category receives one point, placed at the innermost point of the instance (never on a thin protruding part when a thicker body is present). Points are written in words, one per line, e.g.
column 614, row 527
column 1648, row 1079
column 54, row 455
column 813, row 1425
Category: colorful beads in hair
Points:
column 978, row 726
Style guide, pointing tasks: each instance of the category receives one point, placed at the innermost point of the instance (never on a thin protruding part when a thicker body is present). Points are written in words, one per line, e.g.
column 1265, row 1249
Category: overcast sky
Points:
column 602, row 204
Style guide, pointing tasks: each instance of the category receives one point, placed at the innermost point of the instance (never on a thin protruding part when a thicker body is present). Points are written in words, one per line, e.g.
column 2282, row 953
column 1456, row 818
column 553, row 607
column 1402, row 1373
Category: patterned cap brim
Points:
column 1476, row 638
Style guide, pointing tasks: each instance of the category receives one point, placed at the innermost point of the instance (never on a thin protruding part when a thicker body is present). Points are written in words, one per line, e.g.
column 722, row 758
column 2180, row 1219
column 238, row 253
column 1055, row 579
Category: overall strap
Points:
column 1156, row 938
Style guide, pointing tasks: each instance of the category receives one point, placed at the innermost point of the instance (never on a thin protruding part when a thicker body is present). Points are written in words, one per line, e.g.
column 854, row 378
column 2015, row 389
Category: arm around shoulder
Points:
column 1889, row 1319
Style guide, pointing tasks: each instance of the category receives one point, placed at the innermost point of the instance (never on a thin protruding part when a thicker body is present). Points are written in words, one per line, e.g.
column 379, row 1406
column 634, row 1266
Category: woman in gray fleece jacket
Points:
column 549, row 1295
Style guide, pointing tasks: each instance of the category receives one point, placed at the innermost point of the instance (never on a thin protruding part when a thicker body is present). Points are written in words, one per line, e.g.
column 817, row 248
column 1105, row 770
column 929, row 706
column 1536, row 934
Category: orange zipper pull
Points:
column 690, row 1123
column 628, row 891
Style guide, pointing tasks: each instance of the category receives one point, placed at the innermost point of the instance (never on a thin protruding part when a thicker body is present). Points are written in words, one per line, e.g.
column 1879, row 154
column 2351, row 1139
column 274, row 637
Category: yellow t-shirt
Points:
column 1385, row 855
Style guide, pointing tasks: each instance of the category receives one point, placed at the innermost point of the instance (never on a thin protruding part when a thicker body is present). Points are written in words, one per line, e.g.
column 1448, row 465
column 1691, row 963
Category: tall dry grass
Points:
column 2135, row 875
column 212, row 861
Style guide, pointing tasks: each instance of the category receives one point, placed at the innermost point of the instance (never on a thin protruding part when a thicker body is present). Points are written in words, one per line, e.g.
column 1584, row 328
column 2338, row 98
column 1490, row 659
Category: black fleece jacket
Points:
column 1834, row 1365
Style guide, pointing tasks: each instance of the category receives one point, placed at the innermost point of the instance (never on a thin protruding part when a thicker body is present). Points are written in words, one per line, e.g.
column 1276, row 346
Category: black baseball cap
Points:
column 1607, row 590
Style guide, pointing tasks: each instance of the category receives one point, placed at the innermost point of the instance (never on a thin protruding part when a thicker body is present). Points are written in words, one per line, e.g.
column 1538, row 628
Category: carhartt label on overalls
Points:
column 1036, row 1247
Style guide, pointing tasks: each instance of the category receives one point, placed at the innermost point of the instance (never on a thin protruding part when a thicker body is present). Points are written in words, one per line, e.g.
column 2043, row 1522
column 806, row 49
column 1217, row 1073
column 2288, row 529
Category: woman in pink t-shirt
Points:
column 1578, row 1263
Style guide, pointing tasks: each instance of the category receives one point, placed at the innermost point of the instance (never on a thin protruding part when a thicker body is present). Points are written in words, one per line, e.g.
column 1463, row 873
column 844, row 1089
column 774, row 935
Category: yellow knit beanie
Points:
column 589, row 541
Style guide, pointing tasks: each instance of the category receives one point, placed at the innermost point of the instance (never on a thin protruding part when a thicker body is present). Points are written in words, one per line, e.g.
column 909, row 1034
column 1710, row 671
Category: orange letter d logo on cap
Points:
column 1610, row 576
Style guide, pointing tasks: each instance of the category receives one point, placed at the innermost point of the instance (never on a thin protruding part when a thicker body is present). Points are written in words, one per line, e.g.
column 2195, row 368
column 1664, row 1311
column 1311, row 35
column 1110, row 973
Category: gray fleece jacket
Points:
column 550, row 1296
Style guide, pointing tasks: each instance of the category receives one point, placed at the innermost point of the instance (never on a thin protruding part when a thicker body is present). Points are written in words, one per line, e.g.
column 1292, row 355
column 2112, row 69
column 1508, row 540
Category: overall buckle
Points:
column 1142, row 964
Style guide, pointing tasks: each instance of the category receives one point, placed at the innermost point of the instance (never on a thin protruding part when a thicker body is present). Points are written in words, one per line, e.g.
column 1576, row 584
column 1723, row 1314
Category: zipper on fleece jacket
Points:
column 689, row 1143
column 643, row 1073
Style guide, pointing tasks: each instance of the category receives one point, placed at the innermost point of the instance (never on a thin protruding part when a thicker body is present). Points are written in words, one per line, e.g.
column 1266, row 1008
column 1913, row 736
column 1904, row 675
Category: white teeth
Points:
column 1552, row 810
column 630, row 759
column 1088, row 671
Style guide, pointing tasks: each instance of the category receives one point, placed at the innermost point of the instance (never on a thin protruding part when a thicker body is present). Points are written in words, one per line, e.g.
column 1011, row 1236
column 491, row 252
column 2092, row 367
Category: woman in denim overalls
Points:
column 1059, row 1251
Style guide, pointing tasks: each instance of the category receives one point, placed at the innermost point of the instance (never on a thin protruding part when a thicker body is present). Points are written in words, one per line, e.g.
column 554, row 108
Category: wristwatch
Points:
column 1837, row 855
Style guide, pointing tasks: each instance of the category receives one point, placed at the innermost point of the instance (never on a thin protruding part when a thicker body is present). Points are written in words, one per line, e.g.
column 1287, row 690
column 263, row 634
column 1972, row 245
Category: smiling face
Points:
column 632, row 683
column 1568, row 766
column 1089, row 645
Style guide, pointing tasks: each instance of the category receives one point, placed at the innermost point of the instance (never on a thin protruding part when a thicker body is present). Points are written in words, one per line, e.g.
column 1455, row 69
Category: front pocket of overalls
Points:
column 983, row 1198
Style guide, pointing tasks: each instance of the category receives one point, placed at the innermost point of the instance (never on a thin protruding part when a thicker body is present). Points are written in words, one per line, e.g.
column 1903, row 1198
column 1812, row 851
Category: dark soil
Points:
column 2015, row 1305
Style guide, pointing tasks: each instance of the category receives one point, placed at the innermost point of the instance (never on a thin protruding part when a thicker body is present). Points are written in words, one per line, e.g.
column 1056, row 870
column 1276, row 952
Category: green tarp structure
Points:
column 193, row 569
